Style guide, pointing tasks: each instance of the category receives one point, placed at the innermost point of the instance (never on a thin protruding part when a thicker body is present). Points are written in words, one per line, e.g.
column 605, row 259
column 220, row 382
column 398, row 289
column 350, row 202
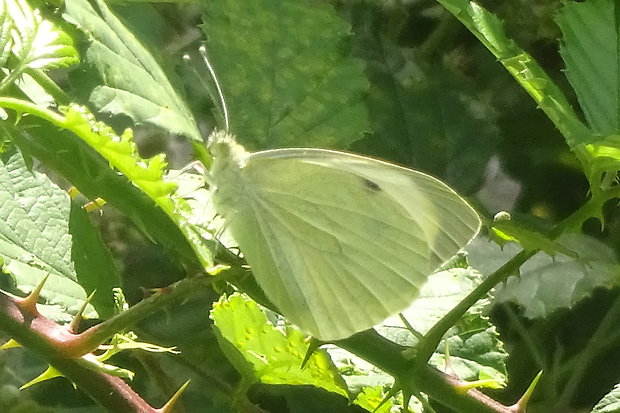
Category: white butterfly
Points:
column 337, row 241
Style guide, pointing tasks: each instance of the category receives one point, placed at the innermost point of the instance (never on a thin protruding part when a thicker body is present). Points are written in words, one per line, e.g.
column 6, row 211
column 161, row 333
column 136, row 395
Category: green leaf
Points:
column 93, row 263
column 424, row 117
column 441, row 292
column 506, row 230
column 373, row 400
column 6, row 42
column 63, row 152
column 134, row 83
column 370, row 399
column 34, row 238
column 38, row 43
column 546, row 284
column 476, row 351
column 146, row 174
column 285, row 73
column 610, row 403
column 370, row 385
column 266, row 354
column 122, row 154
column 590, row 48
column 356, row 372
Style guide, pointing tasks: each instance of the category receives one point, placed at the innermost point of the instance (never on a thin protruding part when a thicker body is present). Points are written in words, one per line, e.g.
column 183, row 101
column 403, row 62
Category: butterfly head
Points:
column 225, row 149
column 229, row 159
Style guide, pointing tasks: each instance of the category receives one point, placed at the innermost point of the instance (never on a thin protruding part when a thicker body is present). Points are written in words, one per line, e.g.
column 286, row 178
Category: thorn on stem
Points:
column 521, row 405
column 48, row 374
column 28, row 304
column 75, row 323
column 169, row 406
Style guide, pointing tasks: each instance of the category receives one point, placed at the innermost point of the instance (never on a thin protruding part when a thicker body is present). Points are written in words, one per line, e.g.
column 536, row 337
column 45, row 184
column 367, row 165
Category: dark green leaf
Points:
column 424, row 117
column 93, row 263
column 286, row 74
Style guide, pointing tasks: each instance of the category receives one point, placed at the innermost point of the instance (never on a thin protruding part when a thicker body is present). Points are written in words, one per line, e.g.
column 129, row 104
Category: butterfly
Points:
column 338, row 242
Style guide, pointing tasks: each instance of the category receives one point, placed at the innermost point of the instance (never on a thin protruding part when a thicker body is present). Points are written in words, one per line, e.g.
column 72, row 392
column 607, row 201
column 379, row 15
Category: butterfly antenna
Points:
column 203, row 52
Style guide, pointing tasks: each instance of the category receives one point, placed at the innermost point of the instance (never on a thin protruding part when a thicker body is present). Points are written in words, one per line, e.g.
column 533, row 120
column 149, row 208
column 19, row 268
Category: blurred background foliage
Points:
column 459, row 116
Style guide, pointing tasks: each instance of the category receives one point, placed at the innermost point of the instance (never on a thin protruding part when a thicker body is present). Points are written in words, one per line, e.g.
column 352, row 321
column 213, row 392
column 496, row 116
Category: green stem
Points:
column 11, row 78
column 23, row 106
column 41, row 335
column 533, row 348
column 59, row 95
column 176, row 293
column 435, row 42
column 388, row 356
column 426, row 347
column 596, row 343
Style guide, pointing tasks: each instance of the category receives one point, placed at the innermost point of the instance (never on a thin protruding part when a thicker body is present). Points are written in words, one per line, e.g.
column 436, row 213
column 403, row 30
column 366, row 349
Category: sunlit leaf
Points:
column 38, row 43
column 121, row 153
column 610, row 403
column 34, row 234
column 6, row 42
column 134, row 84
column 267, row 354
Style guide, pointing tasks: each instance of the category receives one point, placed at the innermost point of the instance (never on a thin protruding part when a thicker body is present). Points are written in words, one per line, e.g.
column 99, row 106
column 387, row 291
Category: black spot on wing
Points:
column 373, row 186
